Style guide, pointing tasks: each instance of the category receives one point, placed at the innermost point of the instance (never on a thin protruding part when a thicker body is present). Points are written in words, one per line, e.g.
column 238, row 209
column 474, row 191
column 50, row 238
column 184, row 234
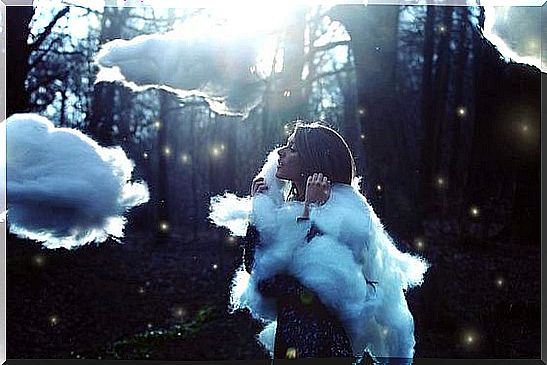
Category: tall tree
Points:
column 18, row 50
column 427, row 112
column 374, row 38
column 104, row 107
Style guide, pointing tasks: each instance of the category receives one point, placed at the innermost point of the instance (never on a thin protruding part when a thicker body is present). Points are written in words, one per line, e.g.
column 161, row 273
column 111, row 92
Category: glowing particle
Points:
column 179, row 312
column 361, row 111
column 38, row 260
column 379, row 187
column 525, row 128
column 149, row 325
column 215, row 266
column 461, row 111
column 222, row 147
column 53, row 320
column 164, row 226
column 157, row 124
column 499, row 282
column 532, row 45
column 184, row 158
column 231, row 239
column 442, row 28
column 167, row 151
column 362, row 136
column 306, row 297
column 291, row 353
column 469, row 339
column 474, row 211
column 385, row 331
column 145, row 155
column 287, row 93
column 419, row 244
column 440, row 181
column 141, row 290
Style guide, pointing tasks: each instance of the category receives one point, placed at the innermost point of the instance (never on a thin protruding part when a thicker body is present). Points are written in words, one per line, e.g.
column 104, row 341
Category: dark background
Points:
column 432, row 113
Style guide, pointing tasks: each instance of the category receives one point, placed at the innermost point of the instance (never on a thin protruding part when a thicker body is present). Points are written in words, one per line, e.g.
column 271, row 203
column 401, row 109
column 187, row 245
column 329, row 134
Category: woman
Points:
column 305, row 327
column 318, row 264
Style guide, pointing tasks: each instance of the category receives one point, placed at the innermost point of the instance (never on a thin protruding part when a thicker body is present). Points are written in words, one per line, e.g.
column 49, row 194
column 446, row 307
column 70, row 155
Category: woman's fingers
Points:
column 317, row 188
column 258, row 186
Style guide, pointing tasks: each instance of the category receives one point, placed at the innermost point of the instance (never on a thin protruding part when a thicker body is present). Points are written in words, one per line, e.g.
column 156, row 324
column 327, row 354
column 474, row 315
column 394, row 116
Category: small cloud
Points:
column 63, row 188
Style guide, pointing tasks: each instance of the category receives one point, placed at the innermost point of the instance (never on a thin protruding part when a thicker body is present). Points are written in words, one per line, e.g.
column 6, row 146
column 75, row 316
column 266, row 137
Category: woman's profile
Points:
column 319, row 268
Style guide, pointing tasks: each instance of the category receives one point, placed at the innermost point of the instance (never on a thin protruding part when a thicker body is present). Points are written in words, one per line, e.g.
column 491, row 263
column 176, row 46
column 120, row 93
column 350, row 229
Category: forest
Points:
column 445, row 133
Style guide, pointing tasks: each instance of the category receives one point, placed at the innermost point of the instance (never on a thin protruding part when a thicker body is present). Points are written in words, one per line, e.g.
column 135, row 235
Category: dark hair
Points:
column 322, row 149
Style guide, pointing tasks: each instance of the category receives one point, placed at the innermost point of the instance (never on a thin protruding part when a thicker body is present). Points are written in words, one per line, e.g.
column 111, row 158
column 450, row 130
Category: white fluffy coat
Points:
column 353, row 246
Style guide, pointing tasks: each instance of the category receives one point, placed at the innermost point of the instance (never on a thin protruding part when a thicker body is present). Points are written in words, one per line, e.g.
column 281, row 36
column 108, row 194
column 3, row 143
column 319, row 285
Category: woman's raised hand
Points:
column 258, row 186
column 317, row 189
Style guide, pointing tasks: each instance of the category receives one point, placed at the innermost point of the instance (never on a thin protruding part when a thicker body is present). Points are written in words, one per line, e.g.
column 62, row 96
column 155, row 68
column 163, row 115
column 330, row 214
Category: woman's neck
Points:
column 300, row 190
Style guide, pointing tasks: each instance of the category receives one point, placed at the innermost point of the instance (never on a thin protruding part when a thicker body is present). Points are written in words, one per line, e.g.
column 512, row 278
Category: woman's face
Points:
column 289, row 167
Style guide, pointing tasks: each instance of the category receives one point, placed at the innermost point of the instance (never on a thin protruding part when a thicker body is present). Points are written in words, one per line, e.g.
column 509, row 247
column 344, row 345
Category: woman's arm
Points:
column 250, row 241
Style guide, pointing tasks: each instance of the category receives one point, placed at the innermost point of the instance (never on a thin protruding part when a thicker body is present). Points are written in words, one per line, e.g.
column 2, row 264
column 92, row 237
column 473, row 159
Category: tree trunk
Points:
column 163, row 224
column 104, row 106
column 428, row 123
column 455, row 179
column 17, row 56
column 373, row 31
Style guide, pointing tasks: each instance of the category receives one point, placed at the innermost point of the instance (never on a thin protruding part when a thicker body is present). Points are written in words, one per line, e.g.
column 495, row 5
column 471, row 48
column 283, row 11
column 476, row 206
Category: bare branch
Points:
column 88, row 10
column 47, row 30
column 328, row 46
column 40, row 57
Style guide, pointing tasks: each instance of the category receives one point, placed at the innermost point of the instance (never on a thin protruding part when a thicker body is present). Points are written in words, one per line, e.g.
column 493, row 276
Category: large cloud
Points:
column 217, row 63
column 516, row 30
column 63, row 189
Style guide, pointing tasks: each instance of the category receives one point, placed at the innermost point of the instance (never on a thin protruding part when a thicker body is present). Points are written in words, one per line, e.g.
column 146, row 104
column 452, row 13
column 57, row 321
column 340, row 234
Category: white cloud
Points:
column 217, row 63
column 515, row 30
column 63, row 189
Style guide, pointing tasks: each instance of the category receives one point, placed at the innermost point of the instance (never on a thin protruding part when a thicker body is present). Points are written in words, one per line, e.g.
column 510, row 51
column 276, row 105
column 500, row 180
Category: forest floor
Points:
column 168, row 301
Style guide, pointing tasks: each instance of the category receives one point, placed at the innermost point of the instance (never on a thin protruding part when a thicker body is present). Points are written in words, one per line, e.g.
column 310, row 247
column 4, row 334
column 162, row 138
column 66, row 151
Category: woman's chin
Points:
column 280, row 176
